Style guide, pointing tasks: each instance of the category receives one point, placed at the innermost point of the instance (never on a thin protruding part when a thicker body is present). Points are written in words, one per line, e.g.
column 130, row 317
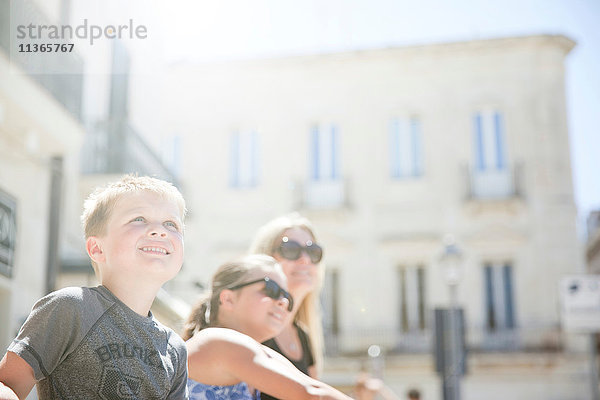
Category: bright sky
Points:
column 239, row 29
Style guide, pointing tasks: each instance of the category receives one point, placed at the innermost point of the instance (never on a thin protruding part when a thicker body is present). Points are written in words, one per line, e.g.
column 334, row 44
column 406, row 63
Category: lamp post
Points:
column 451, row 261
column 374, row 352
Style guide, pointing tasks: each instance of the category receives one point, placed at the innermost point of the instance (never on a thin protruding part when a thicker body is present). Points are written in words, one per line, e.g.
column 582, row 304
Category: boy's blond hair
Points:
column 99, row 205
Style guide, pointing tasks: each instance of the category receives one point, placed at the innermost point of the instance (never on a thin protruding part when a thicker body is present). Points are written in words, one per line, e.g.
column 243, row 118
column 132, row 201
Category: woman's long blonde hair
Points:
column 308, row 316
column 205, row 312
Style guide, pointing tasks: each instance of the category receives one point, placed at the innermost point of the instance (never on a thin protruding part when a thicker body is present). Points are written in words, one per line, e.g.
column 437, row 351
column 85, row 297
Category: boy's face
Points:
column 143, row 239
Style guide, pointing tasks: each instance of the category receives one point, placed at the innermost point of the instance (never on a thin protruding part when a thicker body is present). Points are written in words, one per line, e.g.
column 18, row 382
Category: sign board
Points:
column 580, row 303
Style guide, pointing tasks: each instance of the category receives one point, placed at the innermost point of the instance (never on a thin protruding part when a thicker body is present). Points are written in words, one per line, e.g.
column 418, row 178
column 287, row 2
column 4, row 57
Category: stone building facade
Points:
column 388, row 151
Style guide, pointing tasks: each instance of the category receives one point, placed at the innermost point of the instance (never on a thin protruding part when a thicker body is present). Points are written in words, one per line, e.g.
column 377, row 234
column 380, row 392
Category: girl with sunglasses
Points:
column 290, row 239
column 247, row 304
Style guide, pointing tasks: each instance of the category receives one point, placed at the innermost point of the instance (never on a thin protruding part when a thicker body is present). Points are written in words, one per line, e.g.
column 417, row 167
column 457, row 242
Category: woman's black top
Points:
column 302, row 364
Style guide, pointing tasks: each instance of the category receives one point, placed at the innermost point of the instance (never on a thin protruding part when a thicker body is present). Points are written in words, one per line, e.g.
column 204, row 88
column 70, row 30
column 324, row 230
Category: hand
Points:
column 366, row 387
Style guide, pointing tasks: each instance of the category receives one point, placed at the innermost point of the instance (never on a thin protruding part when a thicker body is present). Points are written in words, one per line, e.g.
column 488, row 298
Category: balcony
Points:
column 66, row 88
column 114, row 147
column 494, row 184
column 322, row 194
column 357, row 341
column 479, row 340
column 534, row 338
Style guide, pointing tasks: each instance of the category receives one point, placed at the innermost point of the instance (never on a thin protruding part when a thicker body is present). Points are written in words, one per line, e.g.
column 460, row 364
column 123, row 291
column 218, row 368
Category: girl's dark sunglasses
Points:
column 292, row 250
column 272, row 290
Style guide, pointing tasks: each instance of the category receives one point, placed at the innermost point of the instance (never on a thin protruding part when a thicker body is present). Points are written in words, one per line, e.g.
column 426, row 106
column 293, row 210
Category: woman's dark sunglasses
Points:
column 272, row 290
column 292, row 250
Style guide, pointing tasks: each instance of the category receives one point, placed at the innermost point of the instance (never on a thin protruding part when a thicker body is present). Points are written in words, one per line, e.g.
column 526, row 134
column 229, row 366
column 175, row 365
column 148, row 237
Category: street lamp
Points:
column 374, row 352
column 451, row 261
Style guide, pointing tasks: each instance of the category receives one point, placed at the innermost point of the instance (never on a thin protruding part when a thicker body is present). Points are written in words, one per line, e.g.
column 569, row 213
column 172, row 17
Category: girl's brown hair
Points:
column 205, row 312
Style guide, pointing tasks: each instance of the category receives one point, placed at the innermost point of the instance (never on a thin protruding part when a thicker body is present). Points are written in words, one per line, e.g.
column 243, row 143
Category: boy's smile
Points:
column 158, row 250
column 155, row 246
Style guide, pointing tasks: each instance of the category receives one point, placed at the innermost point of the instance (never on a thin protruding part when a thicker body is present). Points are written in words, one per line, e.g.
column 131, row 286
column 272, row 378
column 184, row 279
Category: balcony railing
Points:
column 66, row 88
column 540, row 338
column 324, row 194
column 494, row 184
column 114, row 147
column 357, row 341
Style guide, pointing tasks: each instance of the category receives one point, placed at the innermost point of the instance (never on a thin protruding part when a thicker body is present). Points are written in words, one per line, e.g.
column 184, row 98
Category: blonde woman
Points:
column 291, row 240
column 248, row 303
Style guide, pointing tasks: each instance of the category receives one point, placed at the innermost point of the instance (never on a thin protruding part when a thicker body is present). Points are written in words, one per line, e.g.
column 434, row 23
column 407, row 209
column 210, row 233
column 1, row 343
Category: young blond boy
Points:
column 103, row 342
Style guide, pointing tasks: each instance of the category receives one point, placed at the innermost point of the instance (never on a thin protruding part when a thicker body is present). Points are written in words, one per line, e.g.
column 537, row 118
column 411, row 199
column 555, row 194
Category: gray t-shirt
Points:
column 84, row 343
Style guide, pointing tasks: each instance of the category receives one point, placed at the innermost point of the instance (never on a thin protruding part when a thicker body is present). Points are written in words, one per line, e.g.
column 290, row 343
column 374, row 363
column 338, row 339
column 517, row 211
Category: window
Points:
column 488, row 135
column 171, row 153
column 5, row 334
column 8, row 233
column 119, row 82
column 244, row 159
column 499, row 305
column 325, row 160
column 406, row 155
column 329, row 302
column 491, row 177
column 411, row 284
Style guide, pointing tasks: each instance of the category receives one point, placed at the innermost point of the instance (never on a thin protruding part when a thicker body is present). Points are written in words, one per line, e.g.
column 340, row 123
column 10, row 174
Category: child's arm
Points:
column 275, row 362
column 16, row 377
column 225, row 357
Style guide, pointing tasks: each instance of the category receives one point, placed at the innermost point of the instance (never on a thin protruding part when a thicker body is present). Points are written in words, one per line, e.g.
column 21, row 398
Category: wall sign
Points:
column 580, row 303
column 8, row 233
